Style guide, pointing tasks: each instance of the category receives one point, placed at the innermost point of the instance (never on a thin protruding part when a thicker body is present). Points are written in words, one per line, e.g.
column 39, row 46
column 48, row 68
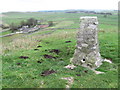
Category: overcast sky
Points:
column 37, row 5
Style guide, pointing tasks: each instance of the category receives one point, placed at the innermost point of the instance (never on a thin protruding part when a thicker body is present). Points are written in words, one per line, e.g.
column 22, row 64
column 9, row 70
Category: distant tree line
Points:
column 29, row 22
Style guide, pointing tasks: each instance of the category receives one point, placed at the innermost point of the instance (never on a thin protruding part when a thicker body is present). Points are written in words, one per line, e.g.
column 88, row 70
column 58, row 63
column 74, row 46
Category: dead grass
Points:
column 30, row 42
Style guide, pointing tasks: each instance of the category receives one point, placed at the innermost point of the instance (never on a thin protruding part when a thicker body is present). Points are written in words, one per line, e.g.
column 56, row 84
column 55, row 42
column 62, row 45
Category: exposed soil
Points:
column 78, row 74
column 86, row 71
column 18, row 63
column 39, row 46
column 67, row 41
column 55, row 51
column 36, row 49
column 49, row 56
column 47, row 72
column 23, row 57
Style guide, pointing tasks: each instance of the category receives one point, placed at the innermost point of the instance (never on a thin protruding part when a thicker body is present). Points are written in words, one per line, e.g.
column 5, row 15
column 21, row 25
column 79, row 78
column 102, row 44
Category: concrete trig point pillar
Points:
column 87, row 49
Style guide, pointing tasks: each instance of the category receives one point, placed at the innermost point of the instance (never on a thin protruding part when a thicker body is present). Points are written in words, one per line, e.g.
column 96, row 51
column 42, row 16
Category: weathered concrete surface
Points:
column 87, row 49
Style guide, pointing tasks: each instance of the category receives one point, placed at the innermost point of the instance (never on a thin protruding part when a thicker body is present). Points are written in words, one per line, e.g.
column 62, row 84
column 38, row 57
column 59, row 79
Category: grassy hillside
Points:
column 26, row 57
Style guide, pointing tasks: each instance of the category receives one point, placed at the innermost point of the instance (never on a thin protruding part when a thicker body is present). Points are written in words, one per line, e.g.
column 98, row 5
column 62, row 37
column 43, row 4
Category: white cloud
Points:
column 36, row 5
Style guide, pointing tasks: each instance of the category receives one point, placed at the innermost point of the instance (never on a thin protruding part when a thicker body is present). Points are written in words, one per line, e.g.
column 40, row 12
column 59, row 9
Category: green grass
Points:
column 64, row 24
column 9, row 39
column 28, row 73
column 5, row 33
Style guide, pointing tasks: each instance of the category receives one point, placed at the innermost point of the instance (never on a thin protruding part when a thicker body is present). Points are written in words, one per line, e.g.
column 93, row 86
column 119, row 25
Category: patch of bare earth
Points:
column 47, row 72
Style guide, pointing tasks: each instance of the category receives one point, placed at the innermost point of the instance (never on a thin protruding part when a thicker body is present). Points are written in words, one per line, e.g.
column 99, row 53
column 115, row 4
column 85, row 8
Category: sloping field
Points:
column 37, row 60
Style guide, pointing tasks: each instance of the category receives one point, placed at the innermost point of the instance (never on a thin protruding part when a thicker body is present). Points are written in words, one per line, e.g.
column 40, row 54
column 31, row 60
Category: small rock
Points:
column 70, row 66
column 106, row 60
column 98, row 72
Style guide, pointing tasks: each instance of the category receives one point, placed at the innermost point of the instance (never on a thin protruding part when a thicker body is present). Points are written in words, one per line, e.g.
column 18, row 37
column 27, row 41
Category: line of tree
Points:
column 29, row 22
column 14, row 27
